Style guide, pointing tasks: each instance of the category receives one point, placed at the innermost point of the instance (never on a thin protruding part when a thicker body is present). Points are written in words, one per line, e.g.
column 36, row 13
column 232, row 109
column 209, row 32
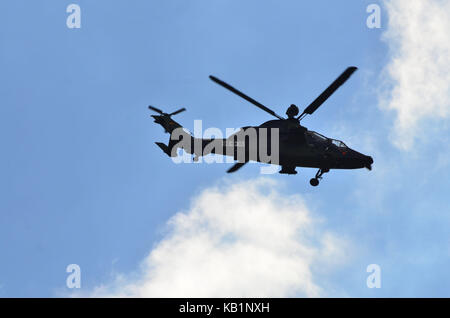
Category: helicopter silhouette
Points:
column 297, row 146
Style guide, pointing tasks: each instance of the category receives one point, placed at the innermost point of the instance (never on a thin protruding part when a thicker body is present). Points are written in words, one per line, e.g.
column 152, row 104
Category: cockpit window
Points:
column 338, row 143
column 314, row 136
column 317, row 136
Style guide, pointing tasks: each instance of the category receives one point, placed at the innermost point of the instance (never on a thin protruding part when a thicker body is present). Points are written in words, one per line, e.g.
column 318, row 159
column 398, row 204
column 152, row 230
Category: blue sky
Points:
column 82, row 181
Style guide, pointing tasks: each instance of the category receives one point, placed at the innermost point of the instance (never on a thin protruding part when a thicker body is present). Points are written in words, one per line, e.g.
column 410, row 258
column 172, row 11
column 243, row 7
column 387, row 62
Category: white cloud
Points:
column 237, row 240
column 419, row 69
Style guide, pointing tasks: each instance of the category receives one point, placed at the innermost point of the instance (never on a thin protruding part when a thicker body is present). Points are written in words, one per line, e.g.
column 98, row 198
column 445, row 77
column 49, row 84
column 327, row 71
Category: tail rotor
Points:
column 159, row 111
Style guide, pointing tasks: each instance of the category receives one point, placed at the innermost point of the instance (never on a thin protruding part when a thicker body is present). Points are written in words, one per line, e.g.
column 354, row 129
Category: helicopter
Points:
column 296, row 145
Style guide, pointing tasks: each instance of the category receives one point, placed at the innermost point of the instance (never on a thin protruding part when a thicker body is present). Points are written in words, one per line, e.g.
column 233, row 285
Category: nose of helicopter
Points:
column 359, row 160
column 368, row 161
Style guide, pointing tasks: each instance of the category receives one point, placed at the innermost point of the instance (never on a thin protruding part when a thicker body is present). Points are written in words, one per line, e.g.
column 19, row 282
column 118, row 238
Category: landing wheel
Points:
column 315, row 181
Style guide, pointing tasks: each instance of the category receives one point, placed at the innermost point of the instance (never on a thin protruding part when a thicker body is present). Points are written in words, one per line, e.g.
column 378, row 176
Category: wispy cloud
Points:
column 236, row 240
column 418, row 74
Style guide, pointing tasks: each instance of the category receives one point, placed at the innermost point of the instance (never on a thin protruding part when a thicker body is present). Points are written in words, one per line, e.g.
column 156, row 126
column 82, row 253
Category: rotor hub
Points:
column 292, row 111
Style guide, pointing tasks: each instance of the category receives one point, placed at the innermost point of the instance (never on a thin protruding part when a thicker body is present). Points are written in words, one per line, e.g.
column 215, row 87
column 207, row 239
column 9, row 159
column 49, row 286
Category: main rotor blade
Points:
column 156, row 109
column 329, row 91
column 247, row 98
column 177, row 111
column 236, row 167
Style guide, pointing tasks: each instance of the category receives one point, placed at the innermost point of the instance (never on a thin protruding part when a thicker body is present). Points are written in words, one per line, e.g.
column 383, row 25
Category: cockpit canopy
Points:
column 316, row 137
column 338, row 143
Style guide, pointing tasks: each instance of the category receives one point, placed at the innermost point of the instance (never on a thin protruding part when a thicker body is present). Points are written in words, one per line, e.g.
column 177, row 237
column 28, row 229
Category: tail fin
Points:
column 164, row 148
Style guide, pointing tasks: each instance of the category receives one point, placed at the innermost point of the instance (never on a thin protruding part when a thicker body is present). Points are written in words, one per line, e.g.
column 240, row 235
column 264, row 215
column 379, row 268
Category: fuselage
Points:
column 279, row 142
